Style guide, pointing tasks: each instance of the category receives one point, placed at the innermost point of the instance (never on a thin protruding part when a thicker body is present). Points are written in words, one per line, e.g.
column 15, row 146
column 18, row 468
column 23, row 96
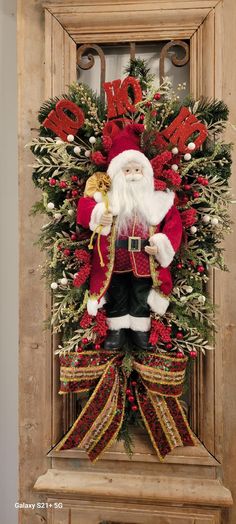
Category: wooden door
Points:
column 47, row 40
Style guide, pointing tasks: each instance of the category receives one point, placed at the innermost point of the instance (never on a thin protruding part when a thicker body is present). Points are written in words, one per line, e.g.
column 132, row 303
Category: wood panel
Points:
column 202, row 82
column 129, row 20
column 34, row 393
column 60, row 57
column 60, row 71
column 225, row 289
column 216, row 77
column 37, row 384
column 62, row 6
column 97, row 513
column 106, row 486
column 211, row 72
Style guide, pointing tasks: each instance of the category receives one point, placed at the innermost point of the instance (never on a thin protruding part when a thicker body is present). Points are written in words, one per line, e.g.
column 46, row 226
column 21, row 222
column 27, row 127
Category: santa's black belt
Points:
column 131, row 243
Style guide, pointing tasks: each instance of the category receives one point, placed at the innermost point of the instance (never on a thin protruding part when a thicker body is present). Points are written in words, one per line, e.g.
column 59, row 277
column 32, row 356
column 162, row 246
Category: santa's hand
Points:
column 106, row 219
column 151, row 250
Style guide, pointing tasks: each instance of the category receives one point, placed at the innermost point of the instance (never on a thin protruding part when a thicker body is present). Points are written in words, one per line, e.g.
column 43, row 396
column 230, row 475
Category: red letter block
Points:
column 181, row 129
column 62, row 124
column 118, row 100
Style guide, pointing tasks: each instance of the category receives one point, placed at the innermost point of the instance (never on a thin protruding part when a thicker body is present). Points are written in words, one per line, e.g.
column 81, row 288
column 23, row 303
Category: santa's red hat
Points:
column 126, row 148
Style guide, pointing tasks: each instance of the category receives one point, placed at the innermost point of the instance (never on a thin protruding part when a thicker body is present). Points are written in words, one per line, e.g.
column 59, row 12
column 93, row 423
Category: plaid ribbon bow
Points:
column 159, row 384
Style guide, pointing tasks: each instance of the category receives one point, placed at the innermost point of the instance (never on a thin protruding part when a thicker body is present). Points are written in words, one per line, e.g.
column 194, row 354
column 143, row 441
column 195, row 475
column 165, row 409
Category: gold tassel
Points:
column 98, row 231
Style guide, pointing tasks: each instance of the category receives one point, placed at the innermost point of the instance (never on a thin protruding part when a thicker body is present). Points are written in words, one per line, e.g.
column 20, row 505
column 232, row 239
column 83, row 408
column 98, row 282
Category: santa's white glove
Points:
column 152, row 249
column 106, row 219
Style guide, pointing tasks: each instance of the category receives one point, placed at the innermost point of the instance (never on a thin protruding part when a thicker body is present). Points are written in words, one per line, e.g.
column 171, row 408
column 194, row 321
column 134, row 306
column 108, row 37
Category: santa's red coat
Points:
column 166, row 235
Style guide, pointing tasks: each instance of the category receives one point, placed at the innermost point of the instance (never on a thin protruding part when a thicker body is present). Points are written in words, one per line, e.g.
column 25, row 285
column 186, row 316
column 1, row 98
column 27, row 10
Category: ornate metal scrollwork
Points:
column 81, row 51
column 175, row 60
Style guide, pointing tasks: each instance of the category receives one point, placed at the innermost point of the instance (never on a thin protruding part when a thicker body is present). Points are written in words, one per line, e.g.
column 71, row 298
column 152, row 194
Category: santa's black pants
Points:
column 126, row 304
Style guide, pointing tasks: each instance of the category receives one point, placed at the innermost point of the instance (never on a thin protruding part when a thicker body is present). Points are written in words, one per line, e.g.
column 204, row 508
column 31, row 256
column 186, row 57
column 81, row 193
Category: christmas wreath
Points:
column 179, row 139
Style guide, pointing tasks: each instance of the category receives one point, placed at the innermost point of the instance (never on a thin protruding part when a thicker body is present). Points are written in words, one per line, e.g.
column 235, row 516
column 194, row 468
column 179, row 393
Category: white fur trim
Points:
column 95, row 218
column 119, row 322
column 97, row 196
column 165, row 253
column 93, row 305
column 101, row 302
column 140, row 323
column 159, row 206
column 157, row 303
column 130, row 155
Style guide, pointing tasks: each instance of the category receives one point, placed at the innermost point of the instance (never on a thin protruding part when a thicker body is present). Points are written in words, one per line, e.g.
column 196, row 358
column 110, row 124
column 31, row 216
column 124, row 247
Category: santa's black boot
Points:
column 115, row 339
column 141, row 339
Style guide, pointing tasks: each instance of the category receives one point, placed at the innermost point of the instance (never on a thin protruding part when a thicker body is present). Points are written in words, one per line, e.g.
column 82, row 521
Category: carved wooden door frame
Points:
column 46, row 67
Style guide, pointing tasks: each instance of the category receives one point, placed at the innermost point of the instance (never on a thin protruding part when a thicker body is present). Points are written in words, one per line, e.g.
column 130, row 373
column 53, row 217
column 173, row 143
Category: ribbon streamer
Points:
column 160, row 383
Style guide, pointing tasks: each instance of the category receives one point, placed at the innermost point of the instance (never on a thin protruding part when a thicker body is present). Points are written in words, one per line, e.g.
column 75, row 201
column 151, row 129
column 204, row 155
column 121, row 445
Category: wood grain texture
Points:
column 83, row 512
column 203, row 83
column 122, row 21
column 211, row 26
column 38, row 380
column 225, row 289
column 216, row 77
column 60, row 71
column 61, row 5
column 34, row 393
column 140, row 488
column 144, row 452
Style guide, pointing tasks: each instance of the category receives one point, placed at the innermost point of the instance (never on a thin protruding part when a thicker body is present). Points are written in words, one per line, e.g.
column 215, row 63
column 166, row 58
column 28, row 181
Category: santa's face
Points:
column 133, row 171
column 131, row 191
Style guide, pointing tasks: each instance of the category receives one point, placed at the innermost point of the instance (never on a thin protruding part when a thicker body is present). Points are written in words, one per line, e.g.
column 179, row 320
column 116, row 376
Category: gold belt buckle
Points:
column 134, row 244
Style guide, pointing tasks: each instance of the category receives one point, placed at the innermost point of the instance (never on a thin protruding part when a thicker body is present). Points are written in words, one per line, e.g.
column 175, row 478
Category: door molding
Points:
column 124, row 21
column 203, row 22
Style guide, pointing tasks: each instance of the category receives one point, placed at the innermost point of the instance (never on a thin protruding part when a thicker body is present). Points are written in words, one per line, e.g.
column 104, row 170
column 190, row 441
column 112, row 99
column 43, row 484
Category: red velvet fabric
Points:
column 128, row 138
column 121, row 260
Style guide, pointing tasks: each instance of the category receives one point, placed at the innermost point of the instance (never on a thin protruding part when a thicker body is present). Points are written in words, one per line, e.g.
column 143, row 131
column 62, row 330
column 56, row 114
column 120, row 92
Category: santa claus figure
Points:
column 139, row 233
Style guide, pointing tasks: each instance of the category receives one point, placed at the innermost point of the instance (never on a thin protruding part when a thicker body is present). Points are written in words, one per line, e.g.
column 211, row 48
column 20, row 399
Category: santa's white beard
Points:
column 131, row 195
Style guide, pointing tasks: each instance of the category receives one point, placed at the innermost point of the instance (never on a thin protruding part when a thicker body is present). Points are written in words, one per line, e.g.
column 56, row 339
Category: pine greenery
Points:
column 191, row 309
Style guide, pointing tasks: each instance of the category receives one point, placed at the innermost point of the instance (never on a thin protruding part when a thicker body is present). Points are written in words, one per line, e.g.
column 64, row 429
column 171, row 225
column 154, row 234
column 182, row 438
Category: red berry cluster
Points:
column 98, row 158
column 100, row 327
column 193, row 354
column 86, row 320
column 64, row 185
column 160, row 332
column 161, row 164
column 189, row 217
column 202, row 181
column 148, row 104
column 81, row 276
column 130, row 395
column 83, row 257
column 179, row 335
column 200, row 268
